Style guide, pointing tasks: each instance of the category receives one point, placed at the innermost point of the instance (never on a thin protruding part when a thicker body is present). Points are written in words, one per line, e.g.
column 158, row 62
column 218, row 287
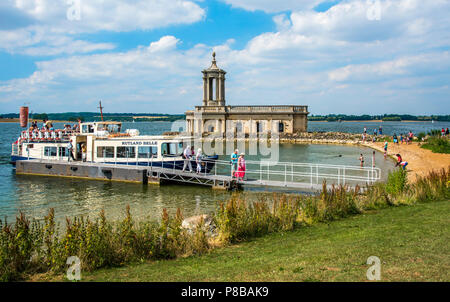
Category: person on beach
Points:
column 234, row 162
column 380, row 131
column 400, row 162
column 385, row 149
column 187, row 154
column 410, row 137
column 401, row 138
column 395, row 139
column 443, row 132
column 70, row 149
column 361, row 160
column 446, row 132
column 198, row 160
column 365, row 130
column 375, row 132
column 240, row 174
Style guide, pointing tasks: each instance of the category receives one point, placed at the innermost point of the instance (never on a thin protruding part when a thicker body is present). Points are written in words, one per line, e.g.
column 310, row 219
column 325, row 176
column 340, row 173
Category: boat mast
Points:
column 101, row 110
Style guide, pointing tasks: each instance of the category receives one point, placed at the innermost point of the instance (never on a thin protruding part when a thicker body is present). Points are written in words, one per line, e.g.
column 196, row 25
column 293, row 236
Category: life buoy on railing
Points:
column 118, row 135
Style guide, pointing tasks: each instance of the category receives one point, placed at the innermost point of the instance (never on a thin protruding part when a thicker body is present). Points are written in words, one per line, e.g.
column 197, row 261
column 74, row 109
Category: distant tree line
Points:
column 145, row 117
column 95, row 116
column 384, row 117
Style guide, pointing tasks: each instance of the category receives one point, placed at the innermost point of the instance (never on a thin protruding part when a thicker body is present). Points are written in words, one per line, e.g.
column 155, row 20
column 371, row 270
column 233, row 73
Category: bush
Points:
column 29, row 247
column 437, row 145
column 397, row 182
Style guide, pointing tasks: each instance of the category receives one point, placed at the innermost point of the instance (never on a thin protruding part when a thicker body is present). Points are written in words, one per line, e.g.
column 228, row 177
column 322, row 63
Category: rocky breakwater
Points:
column 322, row 138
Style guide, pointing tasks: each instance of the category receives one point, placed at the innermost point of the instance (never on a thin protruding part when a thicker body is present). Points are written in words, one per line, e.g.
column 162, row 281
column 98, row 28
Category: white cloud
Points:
column 271, row 6
column 50, row 23
column 164, row 44
column 112, row 15
column 401, row 66
column 335, row 61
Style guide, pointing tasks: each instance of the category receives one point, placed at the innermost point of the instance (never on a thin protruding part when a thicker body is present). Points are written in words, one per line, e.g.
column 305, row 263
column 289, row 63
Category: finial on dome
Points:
column 214, row 63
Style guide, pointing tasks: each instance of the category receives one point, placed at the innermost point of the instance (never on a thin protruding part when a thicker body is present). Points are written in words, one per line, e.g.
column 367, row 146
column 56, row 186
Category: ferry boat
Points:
column 105, row 143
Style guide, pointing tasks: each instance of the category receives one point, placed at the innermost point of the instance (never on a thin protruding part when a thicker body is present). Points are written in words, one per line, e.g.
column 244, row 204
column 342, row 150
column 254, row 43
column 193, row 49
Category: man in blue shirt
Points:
column 234, row 162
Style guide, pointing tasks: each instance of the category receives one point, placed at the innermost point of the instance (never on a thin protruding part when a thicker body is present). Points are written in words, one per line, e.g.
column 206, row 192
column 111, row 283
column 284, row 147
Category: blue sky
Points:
column 353, row 57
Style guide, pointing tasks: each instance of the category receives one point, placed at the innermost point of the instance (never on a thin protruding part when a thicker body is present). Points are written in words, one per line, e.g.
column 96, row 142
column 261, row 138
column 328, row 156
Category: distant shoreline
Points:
column 16, row 120
column 373, row 121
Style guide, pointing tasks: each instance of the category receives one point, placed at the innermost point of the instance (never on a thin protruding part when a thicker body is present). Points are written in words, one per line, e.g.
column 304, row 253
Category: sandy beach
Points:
column 420, row 161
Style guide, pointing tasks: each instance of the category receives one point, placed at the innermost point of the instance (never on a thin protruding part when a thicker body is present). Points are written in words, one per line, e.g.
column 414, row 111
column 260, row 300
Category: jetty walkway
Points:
column 287, row 175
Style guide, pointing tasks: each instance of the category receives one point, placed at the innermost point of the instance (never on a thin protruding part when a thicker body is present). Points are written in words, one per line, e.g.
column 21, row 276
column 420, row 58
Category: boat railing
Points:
column 260, row 172
column 46, row 135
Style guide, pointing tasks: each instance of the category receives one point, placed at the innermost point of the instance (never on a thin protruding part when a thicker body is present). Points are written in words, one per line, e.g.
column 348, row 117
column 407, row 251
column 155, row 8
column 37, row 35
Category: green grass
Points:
column 437, row 145
column 411, row 241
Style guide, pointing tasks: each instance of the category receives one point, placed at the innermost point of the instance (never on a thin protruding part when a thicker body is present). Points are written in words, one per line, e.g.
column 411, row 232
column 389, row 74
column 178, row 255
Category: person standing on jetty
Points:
column 198, row 160
column 234, row 162
column 361, row 160
column 240, row 174
column 187, row 154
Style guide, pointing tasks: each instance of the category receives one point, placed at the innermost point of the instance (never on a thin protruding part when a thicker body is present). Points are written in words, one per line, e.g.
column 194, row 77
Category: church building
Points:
column 214, row 116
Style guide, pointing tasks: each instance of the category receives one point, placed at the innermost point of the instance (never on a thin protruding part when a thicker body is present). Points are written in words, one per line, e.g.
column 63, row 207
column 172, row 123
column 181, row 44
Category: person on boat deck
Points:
column 84, row 151
column 70, row 149
column 198, row 160
column 234, row 162
column 240, row 174
column 187, row 154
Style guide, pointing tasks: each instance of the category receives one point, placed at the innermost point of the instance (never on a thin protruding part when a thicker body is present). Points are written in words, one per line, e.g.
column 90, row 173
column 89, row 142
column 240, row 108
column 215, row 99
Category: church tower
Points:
column 213, row 85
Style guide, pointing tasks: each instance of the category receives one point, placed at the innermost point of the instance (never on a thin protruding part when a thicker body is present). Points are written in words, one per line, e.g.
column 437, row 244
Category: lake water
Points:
column 35, row 195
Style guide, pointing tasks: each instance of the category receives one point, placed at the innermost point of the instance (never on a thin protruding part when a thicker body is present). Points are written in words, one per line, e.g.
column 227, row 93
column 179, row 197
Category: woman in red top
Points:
column 241, row 168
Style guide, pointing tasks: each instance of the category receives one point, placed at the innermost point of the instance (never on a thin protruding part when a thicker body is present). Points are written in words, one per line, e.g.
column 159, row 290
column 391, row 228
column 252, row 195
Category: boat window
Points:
column 50, row 151
column 126, row 152
column 105, row 152
column 113, row 128
column 174, row 149
column 147, row 152
column 63, row 151
column 87, row 128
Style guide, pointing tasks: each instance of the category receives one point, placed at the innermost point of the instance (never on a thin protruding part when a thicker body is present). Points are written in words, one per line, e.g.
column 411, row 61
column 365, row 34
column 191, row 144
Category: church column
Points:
column 223, row 126
column 208, row 89
column 217, row 90
column 222, row 89
column 205, row 91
